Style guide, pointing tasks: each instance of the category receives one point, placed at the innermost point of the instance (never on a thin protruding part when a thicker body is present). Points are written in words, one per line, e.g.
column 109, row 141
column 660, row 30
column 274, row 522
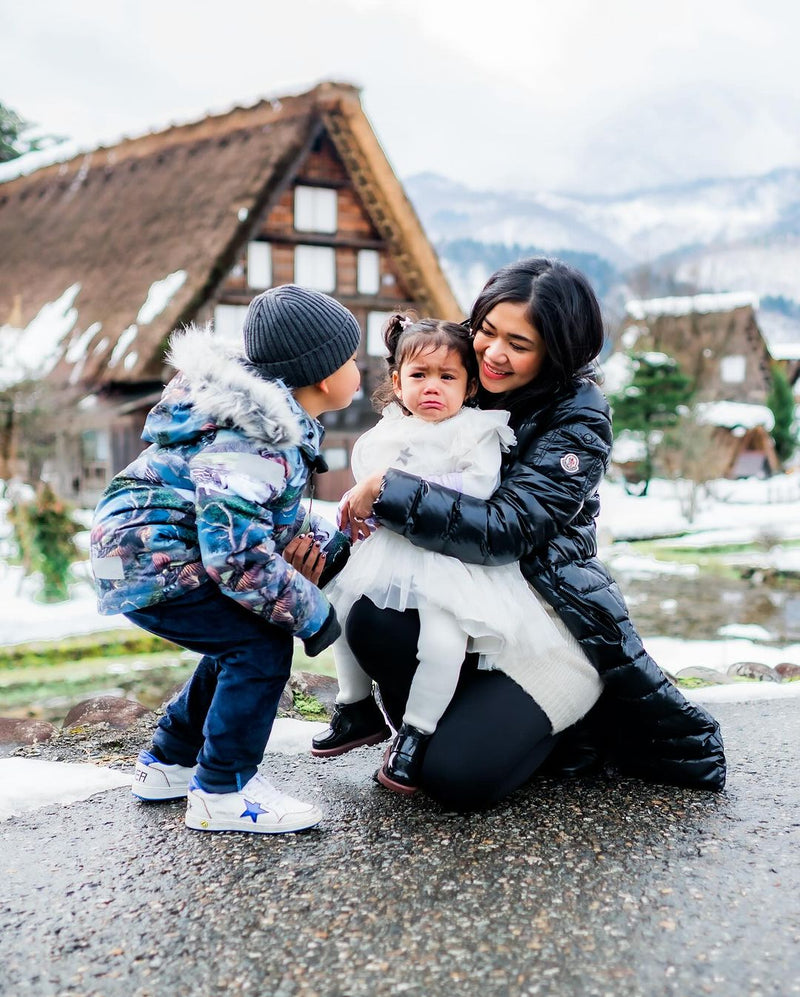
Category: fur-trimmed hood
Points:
column 216, row 387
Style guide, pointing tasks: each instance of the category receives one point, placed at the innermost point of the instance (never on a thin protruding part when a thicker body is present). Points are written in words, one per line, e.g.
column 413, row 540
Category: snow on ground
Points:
column 28, row 784
column 753, row 508
column 673, row 653
column 742, row 692
column 23, row 619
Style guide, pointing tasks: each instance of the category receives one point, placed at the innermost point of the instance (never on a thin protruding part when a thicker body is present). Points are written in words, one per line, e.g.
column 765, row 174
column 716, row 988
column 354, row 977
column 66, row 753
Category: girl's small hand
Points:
column 356, row 506
column 305, row 555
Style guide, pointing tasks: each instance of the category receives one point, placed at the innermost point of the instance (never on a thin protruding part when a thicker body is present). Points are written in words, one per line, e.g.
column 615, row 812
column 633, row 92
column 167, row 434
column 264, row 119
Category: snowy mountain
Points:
column 740, row 234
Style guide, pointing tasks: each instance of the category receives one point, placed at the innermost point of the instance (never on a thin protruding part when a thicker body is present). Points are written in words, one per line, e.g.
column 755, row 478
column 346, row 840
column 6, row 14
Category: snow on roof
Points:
column 62, row 152
column 631, row 335
column 159, row 296
column 733, row 415
column 785, row 351
column 703, row 303
column 782, row 333
column 619, row 368
column 655, row 358
column 33, row 161
column 33, row 351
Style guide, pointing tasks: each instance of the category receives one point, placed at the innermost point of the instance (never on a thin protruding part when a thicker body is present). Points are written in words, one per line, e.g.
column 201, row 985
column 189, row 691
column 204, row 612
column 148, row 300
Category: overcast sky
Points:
column 568, row 95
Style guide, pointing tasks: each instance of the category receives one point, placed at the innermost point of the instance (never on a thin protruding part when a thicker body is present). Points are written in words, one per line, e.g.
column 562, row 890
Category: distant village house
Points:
column 106, row 254
column 719, row 346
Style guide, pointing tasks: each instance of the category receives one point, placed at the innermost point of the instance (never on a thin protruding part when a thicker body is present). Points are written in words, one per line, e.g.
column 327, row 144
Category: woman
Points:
column 537, row 329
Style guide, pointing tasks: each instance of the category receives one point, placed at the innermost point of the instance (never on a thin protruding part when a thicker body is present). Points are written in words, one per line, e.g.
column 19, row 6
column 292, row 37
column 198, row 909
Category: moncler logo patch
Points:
column 570, row 463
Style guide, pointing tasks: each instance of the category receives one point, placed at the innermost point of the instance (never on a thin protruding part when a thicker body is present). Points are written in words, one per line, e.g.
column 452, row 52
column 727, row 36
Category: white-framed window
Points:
column 315, row 267
column 375, row 344
column 369, row 271
column 259, row 265
column 336, row 458
column 229, row 321
column 315, row 209
column 733, row 369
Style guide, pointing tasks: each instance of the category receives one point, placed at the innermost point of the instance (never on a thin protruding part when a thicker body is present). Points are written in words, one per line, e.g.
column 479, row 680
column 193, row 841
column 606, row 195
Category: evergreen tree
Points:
column 781, row 401
column 13, row 142
column 653, row 401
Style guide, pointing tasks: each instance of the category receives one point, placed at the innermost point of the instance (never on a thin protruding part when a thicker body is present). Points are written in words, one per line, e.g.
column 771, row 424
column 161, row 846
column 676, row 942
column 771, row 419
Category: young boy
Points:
column 187, row 543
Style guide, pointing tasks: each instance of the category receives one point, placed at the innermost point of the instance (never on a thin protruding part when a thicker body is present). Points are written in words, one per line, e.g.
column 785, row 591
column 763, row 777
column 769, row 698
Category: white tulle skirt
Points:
column 502, row 618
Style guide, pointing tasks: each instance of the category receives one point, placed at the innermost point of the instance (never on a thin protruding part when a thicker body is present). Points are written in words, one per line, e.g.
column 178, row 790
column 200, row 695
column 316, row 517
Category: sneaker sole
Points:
column 351, row 745
column 160, row 795
column 286, row 827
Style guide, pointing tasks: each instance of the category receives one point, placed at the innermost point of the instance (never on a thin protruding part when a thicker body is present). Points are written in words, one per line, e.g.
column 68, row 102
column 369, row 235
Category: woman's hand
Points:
column 356, row 506
column 305, row 555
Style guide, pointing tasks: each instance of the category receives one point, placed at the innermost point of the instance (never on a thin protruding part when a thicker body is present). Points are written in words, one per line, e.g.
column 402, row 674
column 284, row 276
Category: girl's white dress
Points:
column 502, row 617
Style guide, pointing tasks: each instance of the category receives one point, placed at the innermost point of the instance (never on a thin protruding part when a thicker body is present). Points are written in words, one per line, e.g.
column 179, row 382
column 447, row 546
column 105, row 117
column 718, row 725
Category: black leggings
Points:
column 492, row 737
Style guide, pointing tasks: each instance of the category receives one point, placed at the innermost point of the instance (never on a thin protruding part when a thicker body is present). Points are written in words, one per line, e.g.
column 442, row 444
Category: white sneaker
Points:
column 259, row 807
column 156, row 780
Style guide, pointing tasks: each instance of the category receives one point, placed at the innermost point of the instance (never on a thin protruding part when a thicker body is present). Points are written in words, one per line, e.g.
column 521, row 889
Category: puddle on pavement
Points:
column 696, row 608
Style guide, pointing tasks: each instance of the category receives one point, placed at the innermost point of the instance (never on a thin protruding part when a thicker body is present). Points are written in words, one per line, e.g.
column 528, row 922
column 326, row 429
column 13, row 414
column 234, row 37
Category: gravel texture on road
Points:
column 590, row 887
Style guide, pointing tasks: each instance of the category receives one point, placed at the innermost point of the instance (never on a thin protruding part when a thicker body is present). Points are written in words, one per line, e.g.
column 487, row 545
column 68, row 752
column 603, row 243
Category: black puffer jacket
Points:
column 543, row 515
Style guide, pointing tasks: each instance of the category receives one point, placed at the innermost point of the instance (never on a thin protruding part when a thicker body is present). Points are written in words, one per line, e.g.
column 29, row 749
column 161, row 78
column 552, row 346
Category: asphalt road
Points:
column 582, row 888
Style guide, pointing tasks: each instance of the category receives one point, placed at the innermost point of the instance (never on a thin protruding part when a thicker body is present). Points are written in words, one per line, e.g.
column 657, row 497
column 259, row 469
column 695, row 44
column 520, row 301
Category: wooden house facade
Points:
column 126, row 244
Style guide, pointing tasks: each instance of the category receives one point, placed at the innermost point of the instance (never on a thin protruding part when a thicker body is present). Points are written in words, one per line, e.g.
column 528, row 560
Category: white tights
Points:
column 440, row 650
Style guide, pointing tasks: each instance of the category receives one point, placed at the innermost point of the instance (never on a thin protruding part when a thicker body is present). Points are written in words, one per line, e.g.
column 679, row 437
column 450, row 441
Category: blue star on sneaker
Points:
column 252, row 810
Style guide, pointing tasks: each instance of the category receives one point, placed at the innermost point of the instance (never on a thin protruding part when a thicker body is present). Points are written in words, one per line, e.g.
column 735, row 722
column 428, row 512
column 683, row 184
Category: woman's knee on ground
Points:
column 452, row 784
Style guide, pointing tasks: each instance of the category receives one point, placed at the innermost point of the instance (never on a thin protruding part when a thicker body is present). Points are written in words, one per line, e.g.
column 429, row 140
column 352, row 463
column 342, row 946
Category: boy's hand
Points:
column 305, row 555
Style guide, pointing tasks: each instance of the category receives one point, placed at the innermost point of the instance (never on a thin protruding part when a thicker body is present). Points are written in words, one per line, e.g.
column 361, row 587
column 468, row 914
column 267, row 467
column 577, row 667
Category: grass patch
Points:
column 309, row 706
column 147, row 678
column 109, row 644
column 711, row 561
column 48, row 676
column 122, row 643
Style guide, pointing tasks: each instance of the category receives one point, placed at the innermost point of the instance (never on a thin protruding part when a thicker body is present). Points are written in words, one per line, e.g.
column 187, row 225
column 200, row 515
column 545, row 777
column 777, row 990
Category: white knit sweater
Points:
column 565, row 683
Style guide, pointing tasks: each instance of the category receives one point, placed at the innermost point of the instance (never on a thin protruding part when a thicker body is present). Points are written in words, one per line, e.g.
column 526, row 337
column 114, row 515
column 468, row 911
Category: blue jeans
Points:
column 222, row 717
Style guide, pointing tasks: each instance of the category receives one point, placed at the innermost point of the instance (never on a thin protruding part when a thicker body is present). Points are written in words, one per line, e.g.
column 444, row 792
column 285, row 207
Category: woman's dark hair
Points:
column 562, row 307
column 406, row 336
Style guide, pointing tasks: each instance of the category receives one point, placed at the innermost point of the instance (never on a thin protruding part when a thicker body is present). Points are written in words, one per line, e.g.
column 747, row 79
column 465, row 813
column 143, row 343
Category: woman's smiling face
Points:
column 510, row 351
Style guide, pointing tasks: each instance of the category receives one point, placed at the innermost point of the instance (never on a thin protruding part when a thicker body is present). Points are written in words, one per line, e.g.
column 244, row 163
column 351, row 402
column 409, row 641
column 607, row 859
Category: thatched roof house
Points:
column 719, row 345
column 105, row 254
column 715, row 339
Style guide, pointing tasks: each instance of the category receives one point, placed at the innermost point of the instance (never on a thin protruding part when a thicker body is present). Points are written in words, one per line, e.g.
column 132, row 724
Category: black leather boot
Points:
column 352, row 726
column 401, row 768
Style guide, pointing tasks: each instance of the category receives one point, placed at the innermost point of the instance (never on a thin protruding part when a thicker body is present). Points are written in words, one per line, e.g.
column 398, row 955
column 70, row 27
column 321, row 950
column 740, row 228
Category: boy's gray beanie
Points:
column 298, row 335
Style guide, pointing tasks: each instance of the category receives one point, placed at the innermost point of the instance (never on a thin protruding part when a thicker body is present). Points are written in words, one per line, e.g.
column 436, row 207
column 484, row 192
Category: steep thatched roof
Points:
column 153, row 223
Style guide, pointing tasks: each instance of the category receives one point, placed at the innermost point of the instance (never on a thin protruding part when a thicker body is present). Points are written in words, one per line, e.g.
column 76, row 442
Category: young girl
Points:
column 427, row 430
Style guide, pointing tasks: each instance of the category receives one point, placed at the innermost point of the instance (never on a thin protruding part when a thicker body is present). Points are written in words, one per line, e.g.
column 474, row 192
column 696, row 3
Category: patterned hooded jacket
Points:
column 216, row 496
